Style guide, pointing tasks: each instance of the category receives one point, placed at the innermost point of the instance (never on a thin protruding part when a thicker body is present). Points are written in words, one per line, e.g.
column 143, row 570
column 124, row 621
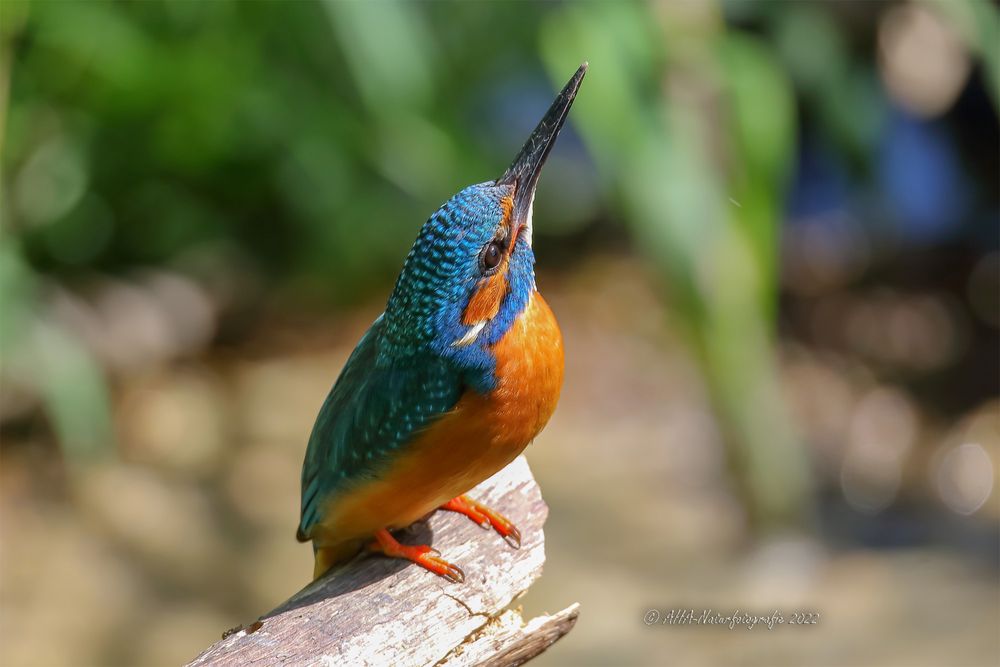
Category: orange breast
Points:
column 529, row 377
column 476, row 439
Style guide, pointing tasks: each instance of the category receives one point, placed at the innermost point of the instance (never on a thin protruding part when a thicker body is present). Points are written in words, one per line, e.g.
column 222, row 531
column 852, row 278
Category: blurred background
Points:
column 769, row 232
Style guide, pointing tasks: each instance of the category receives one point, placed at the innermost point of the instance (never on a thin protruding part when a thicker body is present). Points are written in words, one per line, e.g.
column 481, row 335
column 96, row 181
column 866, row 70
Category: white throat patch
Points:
column 471, row 335
column 527, row 221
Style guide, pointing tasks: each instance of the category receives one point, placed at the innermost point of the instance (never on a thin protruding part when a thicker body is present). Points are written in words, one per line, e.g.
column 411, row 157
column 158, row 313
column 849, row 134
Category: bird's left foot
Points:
column 422, row 555
column 486, row 518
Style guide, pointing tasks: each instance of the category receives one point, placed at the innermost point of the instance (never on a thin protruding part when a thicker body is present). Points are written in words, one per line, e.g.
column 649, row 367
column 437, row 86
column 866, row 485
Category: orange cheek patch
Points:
column 507, row 205
column 485, row 303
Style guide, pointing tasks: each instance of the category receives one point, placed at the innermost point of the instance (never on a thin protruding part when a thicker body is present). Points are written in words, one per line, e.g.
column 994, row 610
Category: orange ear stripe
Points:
column 485, row 303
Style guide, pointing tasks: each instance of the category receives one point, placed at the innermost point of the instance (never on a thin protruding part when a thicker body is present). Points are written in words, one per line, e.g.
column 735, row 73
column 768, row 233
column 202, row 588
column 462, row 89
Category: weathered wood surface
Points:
column 380, row 611
column 507, row 640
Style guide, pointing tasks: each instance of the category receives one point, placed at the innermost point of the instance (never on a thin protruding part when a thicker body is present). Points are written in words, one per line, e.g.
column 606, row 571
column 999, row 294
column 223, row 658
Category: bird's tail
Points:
column 328, row 555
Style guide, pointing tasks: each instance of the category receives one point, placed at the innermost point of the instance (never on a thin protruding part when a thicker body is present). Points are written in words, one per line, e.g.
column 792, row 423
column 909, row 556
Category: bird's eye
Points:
column 492, row 254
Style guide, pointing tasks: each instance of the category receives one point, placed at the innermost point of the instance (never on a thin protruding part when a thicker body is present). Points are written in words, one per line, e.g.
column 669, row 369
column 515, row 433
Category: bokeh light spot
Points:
column 964, row 478
column 921, row 60
column 882, row 433
column 51, row 182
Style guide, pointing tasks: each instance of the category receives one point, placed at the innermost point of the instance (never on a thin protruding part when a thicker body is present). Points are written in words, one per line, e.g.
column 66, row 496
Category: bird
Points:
column 451, row 382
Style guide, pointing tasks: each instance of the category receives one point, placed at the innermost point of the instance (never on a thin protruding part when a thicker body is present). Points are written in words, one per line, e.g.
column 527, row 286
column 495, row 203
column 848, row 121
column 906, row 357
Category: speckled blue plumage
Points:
column 405, row 371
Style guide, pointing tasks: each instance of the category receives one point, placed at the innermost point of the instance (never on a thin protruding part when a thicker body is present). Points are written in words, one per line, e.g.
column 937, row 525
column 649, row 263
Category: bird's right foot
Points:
column 422, row 555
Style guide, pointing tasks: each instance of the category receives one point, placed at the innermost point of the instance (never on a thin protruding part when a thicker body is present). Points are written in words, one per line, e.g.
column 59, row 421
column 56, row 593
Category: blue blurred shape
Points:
column 821, row 183
column 921, row 179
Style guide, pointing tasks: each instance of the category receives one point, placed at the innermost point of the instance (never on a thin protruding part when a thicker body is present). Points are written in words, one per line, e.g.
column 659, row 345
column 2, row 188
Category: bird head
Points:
column 470, row 272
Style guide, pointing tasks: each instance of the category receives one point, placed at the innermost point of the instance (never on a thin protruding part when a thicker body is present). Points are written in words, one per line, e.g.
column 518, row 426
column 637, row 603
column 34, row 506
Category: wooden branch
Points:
column 507, row 640
column 380, row 611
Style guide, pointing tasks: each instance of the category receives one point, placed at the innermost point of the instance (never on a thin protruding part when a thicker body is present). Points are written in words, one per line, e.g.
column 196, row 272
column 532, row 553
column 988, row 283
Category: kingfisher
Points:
column 449, row 384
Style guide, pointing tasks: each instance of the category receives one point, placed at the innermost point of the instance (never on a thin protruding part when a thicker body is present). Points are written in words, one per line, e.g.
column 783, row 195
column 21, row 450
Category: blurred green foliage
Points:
column 311, row 137
column 701, row 180
column 305, row 142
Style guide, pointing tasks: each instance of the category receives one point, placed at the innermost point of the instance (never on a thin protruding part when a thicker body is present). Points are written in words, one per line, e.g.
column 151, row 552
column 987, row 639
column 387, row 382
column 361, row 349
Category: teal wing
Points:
column 372, row 412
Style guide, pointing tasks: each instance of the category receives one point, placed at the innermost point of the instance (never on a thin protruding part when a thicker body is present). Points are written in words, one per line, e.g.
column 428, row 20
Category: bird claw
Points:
column 452, row 573
column 486, row 518
column 455, row 575
column 423, row 555
column 513, row 538
column 440, row 566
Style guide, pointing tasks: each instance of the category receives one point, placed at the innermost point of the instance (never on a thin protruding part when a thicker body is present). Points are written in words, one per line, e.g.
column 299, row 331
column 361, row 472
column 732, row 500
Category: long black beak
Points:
column 523, row 172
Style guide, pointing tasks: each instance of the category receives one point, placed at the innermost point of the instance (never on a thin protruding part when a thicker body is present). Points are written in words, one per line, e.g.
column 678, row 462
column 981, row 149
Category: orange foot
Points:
column 422, row 555
column 486, row 518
